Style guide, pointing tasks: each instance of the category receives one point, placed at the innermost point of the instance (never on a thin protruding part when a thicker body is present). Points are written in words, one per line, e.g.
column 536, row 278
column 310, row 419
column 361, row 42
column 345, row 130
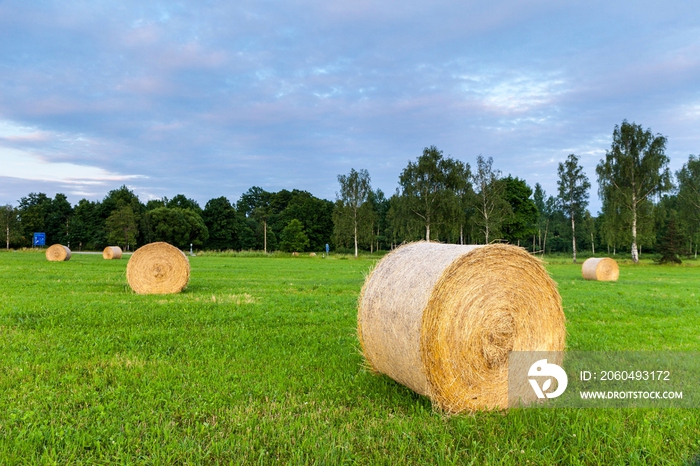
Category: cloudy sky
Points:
column 209, row 98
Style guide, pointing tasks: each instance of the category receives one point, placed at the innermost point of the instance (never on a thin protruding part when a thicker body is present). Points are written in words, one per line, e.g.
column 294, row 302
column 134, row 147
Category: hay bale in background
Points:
column 441, row 319
column 112, row 252
column 313, row 254
column 57, row 253
column 601, row 269
column 158, row 268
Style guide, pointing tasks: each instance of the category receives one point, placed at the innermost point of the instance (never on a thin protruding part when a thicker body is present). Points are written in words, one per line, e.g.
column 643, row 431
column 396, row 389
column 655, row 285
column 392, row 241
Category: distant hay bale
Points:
column 313, row 254
column 601, row 269
column 58, row 253
column 112, row 252
column 158, row 268
column 442, row 319
column 295, row 254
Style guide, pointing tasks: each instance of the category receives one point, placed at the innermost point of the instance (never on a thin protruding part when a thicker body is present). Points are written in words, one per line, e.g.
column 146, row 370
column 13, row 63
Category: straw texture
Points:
column 441, row 319
column 158, row 268
column 57, row 253
column 112, row 252
column 601, row 269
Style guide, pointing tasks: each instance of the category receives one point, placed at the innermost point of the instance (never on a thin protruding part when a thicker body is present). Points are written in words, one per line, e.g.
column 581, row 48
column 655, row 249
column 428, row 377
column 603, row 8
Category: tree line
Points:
column 438, row 198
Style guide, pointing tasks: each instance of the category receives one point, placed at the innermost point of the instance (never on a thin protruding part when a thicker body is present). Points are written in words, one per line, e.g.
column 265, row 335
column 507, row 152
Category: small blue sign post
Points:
column 39, row 239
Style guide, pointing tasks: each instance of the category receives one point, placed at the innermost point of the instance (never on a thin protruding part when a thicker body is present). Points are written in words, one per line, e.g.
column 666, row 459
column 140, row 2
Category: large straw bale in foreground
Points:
column 158, row 268
column 112, row 252
column 441, row 319
column 57, row 253
column 602, row 269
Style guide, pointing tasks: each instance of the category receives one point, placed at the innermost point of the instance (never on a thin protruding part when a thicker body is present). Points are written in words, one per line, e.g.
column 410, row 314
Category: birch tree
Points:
column 573, row 187
column 9, row 224
column 351, row 212
column 489, row 201
column 634, row 170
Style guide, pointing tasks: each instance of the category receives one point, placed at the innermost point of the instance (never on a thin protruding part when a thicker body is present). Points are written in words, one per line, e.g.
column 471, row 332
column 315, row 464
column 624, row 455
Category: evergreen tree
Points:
column 521, row 224
column 671, row 246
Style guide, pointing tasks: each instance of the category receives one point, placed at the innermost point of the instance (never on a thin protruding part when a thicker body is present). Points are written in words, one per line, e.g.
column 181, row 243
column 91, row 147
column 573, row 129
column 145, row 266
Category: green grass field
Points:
column 258, row 362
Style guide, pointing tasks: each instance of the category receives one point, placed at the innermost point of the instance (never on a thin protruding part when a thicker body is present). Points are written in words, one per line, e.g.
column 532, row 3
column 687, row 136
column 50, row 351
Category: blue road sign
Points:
column 39, row 239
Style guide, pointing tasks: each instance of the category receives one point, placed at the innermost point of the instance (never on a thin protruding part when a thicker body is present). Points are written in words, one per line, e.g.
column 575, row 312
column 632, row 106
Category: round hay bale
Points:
column 158, row 268
column 601, row 269
column 442, row 319
column 295, row 254
column 313, row 254
column 112, row 252
column 58, row 253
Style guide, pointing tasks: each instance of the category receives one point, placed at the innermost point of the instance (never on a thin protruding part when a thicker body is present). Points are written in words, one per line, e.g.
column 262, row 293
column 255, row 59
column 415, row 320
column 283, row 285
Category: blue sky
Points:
column 210, row 98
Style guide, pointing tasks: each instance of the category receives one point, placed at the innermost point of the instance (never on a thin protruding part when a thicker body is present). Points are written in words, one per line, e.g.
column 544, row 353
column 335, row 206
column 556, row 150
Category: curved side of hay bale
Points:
column 158, row 268
column 112, row 252
column 58, row 253
column 391, row 310
column 601, row 269
column 441, row 319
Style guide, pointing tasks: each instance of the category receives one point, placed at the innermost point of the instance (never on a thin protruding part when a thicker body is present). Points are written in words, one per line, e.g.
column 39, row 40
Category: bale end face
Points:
column 158, row 268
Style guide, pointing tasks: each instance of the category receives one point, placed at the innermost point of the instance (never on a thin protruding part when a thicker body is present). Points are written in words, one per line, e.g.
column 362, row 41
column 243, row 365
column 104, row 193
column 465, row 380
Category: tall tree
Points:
column 9, row 224
column 544, row 215
column 256, row 203
column 573, row 193
column 118, row 198
column 349, row 214
column 58, row 219
column 122, row 227
column 33, row 213
column 521, row 224
column 689, row 197
column 589, row 223
column 379, row 226
column 634, row 170
column 86, row 226
column 428, row 187
column 220, row 218
column 489, row 201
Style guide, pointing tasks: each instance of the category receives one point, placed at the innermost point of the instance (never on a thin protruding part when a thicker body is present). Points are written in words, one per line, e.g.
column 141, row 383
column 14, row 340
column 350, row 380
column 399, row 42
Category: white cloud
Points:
column 17, row 163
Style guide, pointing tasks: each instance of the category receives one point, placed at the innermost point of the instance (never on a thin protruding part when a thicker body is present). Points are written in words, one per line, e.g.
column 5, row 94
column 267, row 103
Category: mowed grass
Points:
column 258, row 362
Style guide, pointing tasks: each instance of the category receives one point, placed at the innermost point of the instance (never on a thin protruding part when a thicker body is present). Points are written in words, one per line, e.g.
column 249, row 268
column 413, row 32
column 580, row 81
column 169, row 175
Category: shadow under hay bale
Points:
column 58, row 253
column 601, row 269
column 112, row 252
column 158, row 268
column 442, row 319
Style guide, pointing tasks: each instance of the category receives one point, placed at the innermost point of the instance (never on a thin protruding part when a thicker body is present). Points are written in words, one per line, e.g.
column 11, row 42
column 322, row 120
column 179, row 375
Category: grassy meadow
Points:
column 257, row 362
